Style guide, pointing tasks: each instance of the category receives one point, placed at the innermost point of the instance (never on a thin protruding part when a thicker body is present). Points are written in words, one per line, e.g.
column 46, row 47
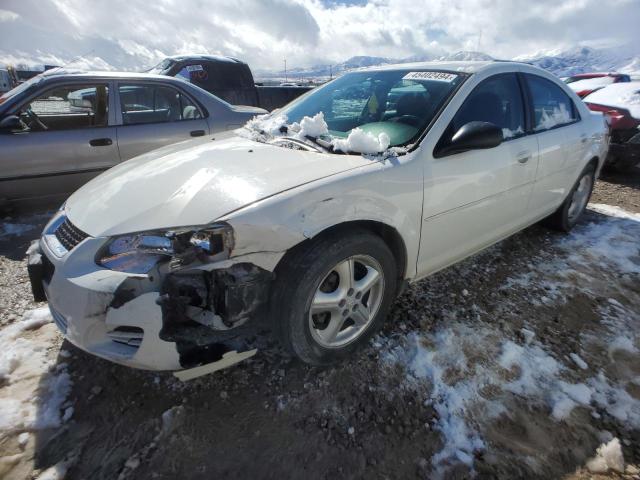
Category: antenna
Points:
column 74, row 60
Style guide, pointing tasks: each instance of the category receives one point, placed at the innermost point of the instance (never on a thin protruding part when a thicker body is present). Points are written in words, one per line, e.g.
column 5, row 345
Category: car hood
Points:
column 190, row 184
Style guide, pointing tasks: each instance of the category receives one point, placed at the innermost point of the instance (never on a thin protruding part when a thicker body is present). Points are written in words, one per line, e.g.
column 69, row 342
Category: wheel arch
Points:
column 387, row 233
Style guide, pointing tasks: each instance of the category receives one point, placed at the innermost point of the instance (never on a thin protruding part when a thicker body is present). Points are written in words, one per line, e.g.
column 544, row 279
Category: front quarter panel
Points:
column 386, row 191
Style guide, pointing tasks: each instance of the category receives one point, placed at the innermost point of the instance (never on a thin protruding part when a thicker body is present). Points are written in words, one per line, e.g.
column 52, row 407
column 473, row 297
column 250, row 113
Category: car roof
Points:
column 84, row 74
column 454, row 66
column 214, row 58
column 596, row 75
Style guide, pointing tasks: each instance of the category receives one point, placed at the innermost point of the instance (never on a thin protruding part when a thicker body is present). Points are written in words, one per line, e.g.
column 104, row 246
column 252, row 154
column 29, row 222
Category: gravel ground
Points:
column 479, row 371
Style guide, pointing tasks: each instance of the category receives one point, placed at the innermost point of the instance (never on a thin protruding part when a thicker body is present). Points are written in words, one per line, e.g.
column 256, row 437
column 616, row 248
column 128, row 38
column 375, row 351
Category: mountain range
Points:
column 625, row 59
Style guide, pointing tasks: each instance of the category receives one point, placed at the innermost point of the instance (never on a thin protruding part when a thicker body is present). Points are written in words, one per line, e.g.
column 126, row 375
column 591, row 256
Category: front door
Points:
column 156, row 115
column 66, row 140
column 475, row 198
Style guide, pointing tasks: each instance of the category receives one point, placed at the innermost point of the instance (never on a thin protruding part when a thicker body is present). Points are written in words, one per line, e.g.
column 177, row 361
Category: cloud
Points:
column 133, row 34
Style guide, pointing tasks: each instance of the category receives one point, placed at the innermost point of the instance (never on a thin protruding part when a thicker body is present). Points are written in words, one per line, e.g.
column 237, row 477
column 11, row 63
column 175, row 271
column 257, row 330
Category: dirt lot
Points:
column 519, row 362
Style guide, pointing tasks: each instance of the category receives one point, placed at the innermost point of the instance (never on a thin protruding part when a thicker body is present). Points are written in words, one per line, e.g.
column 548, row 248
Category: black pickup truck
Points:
column 227, row 78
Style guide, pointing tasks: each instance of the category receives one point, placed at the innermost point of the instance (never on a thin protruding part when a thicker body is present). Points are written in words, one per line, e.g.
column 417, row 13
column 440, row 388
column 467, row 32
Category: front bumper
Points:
column 119, row 316
column 80, row 296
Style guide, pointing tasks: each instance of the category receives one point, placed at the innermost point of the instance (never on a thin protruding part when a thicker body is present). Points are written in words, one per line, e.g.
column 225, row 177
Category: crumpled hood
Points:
column 194, row 183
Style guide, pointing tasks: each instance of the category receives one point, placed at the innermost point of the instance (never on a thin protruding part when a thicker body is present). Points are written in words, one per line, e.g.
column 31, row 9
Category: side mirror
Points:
column 10, row 123
column 472, row 136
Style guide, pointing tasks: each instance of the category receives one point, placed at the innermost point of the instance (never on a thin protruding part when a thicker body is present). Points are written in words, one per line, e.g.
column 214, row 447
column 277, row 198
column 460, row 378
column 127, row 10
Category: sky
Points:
column 134, row 34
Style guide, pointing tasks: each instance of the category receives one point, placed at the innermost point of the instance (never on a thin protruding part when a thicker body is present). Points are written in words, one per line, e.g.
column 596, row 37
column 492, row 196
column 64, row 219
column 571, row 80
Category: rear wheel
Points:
column 333, row 295
column 568, row 214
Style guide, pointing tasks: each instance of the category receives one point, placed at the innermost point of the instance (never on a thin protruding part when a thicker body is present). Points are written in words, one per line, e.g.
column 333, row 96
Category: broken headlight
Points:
column 140, row 252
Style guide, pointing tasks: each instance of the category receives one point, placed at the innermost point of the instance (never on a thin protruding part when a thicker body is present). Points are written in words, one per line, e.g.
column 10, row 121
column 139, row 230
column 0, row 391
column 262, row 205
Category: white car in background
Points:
column 316, row 216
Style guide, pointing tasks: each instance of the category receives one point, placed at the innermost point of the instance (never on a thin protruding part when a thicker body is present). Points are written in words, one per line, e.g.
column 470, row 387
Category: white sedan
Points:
column 311, row 220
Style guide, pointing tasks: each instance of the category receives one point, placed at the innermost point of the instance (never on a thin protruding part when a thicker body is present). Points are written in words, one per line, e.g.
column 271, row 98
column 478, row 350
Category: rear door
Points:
column 475, row 198
column 66, row 141
column 561, row 142
column 152, row 115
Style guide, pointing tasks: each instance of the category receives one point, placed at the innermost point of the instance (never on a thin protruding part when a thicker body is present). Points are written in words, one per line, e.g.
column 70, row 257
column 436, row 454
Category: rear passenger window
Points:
column 155, row 104
column 552, row 107
column 497, row 100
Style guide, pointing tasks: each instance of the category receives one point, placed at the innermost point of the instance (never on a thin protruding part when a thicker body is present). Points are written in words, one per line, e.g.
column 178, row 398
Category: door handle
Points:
column 197, row 133
column 524, row 157
column 100, row 142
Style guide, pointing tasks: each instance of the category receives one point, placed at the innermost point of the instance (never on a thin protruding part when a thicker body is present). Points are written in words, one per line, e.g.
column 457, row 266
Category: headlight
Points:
column 140, row 252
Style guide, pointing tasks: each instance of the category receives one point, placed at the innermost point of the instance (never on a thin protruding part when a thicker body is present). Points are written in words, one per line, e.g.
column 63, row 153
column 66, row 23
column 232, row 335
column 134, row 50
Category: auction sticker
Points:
column 437, row 76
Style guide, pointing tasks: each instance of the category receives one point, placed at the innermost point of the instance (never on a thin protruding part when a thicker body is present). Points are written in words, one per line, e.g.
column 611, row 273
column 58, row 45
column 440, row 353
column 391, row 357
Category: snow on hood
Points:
column 619, row 95
column 194, row 183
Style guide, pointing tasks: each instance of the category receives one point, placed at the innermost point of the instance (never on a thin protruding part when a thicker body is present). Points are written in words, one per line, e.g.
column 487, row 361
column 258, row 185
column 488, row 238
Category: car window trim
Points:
column 37, row 94
column 492, row 77
column 574, row 107
column 203, row 112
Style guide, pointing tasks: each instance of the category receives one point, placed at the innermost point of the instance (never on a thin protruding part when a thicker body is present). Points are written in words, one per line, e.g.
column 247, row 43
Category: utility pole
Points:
column 285, row 70
column 330, row 72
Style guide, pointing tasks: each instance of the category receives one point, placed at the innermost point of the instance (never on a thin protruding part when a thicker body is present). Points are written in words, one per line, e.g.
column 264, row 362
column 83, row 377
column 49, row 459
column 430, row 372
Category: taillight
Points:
column 584, row 93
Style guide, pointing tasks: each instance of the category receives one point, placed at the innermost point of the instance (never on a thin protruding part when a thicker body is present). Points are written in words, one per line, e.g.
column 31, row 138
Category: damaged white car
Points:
column 311, row 220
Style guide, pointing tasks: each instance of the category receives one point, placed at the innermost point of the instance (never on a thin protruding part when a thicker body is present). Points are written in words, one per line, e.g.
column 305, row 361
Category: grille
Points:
column 69, row 235
column 131, row 336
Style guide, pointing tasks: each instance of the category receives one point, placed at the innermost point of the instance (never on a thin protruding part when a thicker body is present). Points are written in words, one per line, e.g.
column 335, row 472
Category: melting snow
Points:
column 471, row 375
column 34, row 391
column 608, row 457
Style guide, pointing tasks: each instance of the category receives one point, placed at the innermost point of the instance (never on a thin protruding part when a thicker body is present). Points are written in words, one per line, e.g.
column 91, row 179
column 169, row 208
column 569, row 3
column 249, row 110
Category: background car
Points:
column 585, row 83
column 621, row 105
column 60, row 129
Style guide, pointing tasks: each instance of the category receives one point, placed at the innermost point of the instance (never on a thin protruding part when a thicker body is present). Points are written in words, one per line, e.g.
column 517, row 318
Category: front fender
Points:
column 388, row 191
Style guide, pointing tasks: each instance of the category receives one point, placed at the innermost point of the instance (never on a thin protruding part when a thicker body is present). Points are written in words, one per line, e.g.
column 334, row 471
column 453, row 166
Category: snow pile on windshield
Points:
column 475, row 376
column 619, row 95
column 267, row 127
column 311, row 126
column 558, row 116
column 362, row 142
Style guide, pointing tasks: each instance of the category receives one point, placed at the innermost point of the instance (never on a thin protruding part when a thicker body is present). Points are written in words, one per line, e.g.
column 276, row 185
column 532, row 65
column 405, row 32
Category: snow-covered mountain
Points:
column 326, row 70
column 624, row 59
column 564, row 63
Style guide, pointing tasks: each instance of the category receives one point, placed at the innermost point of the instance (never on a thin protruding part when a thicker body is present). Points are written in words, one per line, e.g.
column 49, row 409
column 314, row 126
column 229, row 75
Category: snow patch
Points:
column 619, row 95
column 360, row 142
column 35, row 389
column 313, row 126
column 608, row 457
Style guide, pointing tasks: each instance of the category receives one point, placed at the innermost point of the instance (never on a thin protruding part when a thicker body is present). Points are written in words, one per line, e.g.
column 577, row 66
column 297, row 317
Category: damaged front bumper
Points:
column 201, row 319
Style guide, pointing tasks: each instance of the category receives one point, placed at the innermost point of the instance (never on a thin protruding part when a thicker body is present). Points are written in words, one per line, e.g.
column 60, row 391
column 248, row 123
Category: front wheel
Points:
column 333, row 295
column 568, row 214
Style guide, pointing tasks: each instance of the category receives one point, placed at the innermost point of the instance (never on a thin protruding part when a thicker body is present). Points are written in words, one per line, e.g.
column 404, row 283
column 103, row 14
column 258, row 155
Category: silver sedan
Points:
column 60, row 129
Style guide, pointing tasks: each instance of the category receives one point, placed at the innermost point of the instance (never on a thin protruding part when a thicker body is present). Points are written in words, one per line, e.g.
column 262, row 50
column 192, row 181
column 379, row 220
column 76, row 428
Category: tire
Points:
column 316, row 274
column 564, row 219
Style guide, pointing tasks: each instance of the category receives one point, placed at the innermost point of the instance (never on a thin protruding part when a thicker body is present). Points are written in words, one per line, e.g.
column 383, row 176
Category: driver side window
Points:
column 68, row 108
column 497, row 100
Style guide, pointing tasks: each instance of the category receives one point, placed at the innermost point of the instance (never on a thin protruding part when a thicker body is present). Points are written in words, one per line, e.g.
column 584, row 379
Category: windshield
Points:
column 23, row 87
column 367, row 112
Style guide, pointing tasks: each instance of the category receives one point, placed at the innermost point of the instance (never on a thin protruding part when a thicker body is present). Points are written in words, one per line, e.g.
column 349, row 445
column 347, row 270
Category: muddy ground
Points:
column 388, row 412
